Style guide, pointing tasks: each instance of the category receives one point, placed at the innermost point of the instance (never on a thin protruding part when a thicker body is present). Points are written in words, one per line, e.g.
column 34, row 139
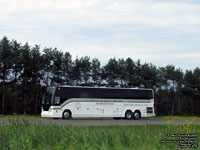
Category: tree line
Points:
column 25, row 72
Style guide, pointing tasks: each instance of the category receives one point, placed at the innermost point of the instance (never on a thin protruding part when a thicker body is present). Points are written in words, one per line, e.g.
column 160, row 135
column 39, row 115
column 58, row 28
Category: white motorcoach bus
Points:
column 69, row 101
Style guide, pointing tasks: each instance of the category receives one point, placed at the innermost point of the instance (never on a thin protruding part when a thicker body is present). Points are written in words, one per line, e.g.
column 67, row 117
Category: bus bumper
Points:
column 46, row 114
column 149, row 115
column 52, row 113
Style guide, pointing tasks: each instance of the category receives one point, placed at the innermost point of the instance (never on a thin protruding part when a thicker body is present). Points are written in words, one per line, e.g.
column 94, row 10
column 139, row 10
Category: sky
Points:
column 161, row 32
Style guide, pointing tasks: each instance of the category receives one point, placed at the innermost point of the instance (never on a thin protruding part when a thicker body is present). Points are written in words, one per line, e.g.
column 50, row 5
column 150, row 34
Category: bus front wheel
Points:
column 66, row 114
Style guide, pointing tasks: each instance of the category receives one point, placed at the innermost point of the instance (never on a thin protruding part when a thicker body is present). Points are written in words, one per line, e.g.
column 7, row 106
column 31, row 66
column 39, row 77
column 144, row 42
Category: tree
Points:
column 189, row 89
column 85, row 69
column 122, row 72
column 26, row 75
column 110, row 72
column 149, row 76
column 138, row 74
column 130, row 69
column 96, row 71
column 5, row 64
column 16, row 69
column 57, row 72
column 192, row 90
column 172, row 80
column 173, row 77
column 47, row 65
column 196, row 75
column 67, row 68
column 36, row 63
column 76, row 71
column 25, row 72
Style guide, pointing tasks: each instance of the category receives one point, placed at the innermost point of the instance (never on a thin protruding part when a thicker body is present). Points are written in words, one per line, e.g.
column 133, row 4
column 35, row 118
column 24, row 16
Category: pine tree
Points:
column 57, row 71
column 85, row 68
column 36, row 63
column 96, row 72
column 26, row 75
column 47, row 65
column 5, row 64
column 110, row 73
column 16, row 70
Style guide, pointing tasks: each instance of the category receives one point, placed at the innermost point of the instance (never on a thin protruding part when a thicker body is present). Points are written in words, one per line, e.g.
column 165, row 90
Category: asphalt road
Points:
column 98, row 122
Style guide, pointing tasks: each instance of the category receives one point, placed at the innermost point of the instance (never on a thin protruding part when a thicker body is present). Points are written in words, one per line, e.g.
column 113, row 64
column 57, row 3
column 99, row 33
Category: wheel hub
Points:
column 66, row 115
column 136, row 115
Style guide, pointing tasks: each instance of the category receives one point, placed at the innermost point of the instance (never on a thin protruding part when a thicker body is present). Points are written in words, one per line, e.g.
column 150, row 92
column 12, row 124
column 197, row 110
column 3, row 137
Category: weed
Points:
column 24, row 135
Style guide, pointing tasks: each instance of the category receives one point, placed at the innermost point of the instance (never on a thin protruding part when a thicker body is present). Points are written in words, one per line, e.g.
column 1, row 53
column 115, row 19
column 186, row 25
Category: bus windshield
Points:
column 47, row 98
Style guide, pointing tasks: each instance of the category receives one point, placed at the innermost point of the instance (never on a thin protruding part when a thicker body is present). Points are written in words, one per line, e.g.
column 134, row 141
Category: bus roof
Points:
column 68, row 92
column 62, row 86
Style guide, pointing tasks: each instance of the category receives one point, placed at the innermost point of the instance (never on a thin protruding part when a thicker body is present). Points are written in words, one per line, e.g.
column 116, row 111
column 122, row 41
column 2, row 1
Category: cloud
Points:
column 151, row 30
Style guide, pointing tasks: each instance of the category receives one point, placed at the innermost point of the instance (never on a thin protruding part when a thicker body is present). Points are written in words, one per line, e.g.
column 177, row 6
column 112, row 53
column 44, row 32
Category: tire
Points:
column 128, row 114
column 136, row 115
column 66, row 114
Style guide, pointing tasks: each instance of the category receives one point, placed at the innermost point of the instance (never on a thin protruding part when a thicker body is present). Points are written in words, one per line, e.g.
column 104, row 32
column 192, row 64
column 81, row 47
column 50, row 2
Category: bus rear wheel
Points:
column 66, row 114
column 136, row 115
column 128, row 114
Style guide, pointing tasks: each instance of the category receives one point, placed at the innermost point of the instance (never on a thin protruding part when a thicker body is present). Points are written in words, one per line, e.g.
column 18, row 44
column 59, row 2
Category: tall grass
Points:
column 28, row 136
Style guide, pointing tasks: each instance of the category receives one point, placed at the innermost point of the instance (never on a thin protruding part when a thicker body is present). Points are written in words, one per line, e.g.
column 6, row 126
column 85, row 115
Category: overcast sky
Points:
column 161, row 32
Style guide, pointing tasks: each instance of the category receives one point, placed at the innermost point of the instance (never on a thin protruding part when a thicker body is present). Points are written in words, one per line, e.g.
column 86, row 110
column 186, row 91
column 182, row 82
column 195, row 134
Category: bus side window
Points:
column 57, row 100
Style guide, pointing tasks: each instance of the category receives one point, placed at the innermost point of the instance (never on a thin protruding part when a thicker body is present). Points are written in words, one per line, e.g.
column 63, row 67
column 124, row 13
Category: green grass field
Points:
column 29, row 136
column 175, row 117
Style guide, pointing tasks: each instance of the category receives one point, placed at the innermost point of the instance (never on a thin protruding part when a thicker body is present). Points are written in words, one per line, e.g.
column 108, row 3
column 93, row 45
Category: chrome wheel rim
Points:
column 128, row 115
column 136, row 115
column 66, row 115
